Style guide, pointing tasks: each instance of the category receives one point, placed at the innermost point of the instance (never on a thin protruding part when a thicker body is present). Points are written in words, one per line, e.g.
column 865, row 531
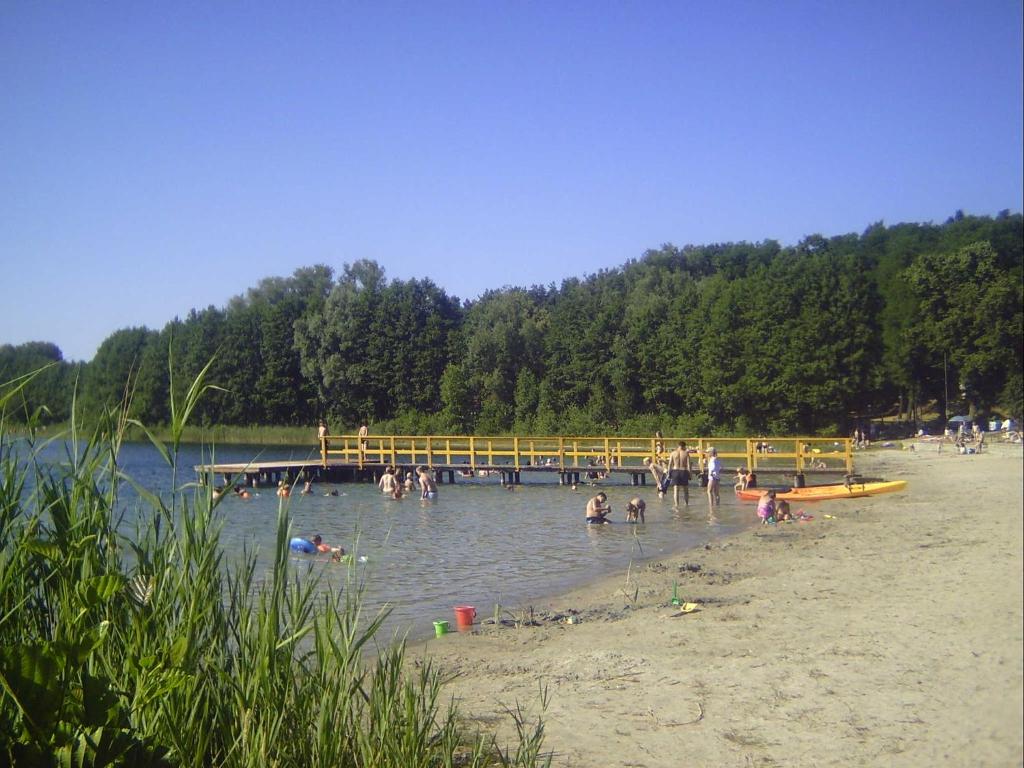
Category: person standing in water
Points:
column 428, row 487
column 679, row 473
column 388, row 482
column 714, row 476
column 659, row 474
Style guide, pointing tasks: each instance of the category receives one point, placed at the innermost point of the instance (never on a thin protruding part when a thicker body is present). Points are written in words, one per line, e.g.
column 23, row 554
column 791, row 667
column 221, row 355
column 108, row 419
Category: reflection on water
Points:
column 477, row 544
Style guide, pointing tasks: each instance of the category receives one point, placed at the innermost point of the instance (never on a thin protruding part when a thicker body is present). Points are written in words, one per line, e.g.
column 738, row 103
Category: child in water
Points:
column 741, row 479
column 635, row 511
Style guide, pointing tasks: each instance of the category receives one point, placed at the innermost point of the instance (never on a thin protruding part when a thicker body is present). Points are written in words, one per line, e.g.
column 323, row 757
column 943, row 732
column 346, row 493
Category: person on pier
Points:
column 679, row 472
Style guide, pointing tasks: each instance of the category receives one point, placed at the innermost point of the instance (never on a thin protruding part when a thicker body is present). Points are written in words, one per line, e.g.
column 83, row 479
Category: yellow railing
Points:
column 576, row 453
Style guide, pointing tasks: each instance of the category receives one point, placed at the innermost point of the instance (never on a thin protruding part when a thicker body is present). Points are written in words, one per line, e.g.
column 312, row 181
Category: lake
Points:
column 476, row 544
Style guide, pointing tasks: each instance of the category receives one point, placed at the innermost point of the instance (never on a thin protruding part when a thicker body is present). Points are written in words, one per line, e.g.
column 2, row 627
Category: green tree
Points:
column 970, row 311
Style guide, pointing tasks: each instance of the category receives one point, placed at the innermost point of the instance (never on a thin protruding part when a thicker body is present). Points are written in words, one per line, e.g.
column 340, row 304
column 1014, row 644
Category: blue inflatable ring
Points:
column 302, row 545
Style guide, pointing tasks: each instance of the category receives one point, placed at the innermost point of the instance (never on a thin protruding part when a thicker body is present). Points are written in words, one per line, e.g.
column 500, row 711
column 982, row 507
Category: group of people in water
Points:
column 677, row 473
column 396, row 487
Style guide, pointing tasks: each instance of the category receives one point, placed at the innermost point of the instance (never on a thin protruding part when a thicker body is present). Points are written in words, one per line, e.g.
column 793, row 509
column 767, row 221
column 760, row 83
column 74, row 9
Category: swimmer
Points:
column 635, row 511
column 598, row 510
column 243, row 492
column 283, row 490
column 318, row 542
column 307, row 488
column 397, row 492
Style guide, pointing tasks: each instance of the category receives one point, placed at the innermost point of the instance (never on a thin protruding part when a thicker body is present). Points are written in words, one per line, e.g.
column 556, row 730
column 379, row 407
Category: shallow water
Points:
column 476, row 544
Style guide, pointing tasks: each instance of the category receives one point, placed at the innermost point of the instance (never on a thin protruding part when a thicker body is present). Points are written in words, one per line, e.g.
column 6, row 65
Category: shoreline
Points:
column 891, row 633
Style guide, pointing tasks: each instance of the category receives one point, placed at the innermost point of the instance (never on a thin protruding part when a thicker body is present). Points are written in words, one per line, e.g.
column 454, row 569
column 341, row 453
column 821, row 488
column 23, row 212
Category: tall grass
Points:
column 143, row 645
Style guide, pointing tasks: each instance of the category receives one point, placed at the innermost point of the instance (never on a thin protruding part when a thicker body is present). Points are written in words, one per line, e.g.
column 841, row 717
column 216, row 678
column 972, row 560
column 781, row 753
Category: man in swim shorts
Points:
column 679, row 473
column 598, row 510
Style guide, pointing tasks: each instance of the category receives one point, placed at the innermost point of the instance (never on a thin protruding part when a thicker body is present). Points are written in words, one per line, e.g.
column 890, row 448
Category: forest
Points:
column 731, row 338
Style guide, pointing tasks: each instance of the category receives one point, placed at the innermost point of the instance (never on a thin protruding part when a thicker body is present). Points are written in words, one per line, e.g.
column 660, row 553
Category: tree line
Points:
column 734, row 337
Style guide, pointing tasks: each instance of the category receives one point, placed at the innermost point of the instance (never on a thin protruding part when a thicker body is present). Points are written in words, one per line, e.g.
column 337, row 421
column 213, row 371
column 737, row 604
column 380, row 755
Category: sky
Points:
column 156, row 157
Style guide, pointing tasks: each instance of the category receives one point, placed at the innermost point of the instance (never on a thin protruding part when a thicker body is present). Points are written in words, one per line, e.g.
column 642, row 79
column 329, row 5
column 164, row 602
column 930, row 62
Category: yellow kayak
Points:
column 826, row 492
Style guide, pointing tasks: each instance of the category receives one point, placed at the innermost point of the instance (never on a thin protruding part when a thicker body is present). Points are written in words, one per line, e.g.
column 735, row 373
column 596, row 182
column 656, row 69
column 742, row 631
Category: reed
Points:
column 129, row 638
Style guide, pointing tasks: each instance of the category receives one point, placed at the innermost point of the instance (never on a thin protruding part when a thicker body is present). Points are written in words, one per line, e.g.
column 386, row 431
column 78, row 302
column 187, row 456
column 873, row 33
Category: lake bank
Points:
column 892, row 633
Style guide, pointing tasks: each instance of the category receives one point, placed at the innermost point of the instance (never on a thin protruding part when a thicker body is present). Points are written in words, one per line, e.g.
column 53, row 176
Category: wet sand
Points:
column 890, row 635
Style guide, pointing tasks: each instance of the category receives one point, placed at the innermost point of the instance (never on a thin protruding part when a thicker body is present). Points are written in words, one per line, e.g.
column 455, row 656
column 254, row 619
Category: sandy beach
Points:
column 889, row 635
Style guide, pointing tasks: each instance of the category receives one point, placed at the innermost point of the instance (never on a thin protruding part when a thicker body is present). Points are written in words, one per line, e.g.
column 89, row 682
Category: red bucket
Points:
column 464, row 615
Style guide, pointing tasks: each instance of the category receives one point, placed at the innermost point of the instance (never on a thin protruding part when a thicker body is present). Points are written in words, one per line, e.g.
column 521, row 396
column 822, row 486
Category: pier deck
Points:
column 351, row 458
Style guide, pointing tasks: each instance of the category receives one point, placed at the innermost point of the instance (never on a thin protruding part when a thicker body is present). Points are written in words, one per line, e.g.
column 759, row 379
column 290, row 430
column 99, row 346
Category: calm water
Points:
column 476, row 544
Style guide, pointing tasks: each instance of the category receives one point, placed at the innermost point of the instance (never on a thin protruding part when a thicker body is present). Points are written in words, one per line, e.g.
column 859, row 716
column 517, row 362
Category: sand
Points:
column 890, row 635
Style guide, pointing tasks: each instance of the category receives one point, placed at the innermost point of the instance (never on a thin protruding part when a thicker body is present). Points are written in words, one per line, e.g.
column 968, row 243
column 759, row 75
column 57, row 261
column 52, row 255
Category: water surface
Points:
column 476, row 544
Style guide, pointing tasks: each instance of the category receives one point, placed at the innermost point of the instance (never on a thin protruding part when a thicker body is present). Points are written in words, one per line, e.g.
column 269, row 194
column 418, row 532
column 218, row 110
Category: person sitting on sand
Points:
column 766, row 507
column 782, row 512
column 598, row 509
column 635, row 511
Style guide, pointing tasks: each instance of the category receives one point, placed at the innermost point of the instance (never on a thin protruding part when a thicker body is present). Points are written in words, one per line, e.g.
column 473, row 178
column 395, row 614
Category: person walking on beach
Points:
column 679, row 473
column 598, row 509
column 714, row 477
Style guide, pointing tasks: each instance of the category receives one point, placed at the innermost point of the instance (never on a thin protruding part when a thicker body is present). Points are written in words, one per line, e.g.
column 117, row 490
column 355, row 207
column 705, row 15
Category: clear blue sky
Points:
column 156, row 157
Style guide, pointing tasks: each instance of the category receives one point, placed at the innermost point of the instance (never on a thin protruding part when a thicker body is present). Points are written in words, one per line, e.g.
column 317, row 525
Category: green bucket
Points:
column 440, row 628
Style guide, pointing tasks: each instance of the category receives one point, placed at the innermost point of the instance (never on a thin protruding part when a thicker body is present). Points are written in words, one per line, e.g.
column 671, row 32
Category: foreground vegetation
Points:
column 737, row 337
column 139, row 644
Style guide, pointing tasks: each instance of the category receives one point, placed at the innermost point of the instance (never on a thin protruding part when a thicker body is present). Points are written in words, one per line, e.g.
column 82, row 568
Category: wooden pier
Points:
column 351, row 458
